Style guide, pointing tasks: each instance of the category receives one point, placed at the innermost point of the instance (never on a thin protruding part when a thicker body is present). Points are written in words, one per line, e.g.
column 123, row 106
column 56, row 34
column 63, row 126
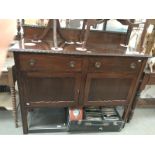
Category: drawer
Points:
column 38, row 62
column 114, row 64
column 96, row 120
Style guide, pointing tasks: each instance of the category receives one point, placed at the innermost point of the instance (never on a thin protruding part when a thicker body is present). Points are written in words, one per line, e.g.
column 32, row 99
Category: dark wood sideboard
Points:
column 107, row 74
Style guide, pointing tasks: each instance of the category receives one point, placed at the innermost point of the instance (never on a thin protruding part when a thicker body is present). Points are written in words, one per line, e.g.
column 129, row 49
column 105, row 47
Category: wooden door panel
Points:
column 108, row 89
column 50, row 89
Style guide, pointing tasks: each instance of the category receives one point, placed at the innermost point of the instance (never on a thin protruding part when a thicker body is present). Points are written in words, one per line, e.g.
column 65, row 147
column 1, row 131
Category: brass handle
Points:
column 32, row 62
column 72, row 64
column 97, row 64
column 133, row 65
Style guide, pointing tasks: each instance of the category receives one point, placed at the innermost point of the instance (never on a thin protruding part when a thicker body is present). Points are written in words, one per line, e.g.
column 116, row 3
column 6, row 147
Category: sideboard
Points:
column 107, row 75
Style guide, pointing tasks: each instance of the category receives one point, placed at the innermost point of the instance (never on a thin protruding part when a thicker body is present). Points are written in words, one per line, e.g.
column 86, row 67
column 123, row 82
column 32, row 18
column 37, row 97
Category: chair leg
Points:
column 13, row 97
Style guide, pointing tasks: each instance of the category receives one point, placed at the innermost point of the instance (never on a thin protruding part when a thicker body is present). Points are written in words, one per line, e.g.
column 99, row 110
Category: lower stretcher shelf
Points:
column 57, row 120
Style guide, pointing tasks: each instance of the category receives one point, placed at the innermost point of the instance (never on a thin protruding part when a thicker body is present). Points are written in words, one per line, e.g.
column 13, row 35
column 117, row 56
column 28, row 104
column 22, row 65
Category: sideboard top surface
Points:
column 30, row 46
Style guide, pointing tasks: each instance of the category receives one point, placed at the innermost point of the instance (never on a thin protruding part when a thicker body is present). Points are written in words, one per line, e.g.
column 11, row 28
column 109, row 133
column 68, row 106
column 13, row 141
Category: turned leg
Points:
column 13, row 97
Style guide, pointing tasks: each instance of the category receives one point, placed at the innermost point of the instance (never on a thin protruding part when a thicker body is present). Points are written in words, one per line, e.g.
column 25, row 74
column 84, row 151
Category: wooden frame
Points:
column 8, row 78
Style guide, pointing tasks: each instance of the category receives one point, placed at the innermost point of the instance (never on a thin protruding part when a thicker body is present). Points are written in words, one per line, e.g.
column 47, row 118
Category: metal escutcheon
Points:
column 133, row 65
column 72, row 64
column 97, row 64
column 32, row 62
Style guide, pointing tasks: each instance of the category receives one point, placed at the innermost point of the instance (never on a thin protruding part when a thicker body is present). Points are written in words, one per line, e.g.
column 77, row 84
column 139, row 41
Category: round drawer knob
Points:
column 32, row 62
column 133, row 65
column 27, row 104
column 72, row 64
column 97, row 64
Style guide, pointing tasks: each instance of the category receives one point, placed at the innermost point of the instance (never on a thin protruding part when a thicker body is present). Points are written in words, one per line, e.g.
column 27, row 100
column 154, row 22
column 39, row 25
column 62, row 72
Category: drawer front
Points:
column 38, row 62
column 114, row 64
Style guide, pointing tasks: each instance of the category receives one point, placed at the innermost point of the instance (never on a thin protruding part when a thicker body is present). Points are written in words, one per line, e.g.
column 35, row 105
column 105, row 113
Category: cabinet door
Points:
column 51, row 89
column 108, row 89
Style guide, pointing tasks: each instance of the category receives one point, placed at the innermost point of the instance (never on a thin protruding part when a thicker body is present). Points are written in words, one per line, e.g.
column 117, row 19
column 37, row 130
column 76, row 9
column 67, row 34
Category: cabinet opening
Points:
column 44, row 119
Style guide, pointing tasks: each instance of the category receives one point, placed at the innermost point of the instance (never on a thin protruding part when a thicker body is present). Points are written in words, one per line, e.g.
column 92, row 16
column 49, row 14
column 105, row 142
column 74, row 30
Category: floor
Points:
column 5, row 100
column 143, row 122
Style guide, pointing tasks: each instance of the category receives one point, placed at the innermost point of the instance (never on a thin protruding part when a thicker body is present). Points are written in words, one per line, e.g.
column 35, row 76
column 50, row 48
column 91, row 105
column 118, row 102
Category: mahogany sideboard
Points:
column 107, row 74
column 62, row 79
